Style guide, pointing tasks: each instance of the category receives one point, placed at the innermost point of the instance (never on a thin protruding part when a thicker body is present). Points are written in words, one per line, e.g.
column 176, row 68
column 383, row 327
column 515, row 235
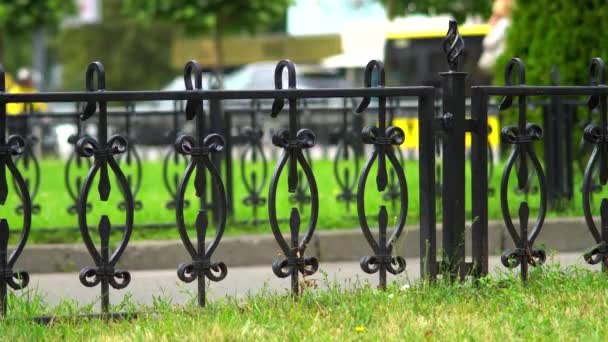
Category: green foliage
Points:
column 24, row 16
column 135, row 54
column 197, row 17
column 459, row 9
column 15, row 52
column 564, row 33
column 19, row 19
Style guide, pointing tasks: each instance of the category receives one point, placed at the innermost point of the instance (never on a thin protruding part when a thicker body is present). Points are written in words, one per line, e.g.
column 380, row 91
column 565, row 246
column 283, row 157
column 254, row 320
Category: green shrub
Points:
column 565, row 33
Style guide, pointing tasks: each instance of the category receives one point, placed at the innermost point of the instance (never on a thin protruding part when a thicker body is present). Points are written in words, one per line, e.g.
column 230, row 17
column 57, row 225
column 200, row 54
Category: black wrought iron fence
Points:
column 201, row 150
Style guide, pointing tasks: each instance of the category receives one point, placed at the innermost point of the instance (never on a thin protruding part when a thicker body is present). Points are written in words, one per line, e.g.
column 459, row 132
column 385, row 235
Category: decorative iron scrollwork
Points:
column 105, row 271
column 103, row 151
column 597, row 168
column 585, row 147
column 171, row 177
column 200, row 151
column 27, row 161
column 14, row 145
column 74, row 164
column 254, row 180
column 301, row 196
column 392, row 193
column 522, row 137
column 347, row 146
column 293, row 141
column 383, row 139
column 132, row 161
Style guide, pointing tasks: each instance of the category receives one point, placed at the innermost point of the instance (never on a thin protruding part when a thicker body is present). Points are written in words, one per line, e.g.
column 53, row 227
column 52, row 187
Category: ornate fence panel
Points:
column 523, row 159
column 447, row 123
column 293, row 141
column 596, row 171
column 13, row 145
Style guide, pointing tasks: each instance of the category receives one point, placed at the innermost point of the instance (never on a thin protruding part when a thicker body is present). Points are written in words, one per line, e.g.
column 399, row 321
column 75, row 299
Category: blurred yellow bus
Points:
column 413, row 56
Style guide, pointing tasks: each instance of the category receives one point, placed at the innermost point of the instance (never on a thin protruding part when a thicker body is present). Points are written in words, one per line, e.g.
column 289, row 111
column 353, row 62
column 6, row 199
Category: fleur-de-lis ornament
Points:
column 171, row 175
column 103, row 151
column 14, row 145
column 200, row 150
column 383, row 139
column 597, row 167
column 293, row 141
column 522, row 137
column 28, row 163
column 392, row 193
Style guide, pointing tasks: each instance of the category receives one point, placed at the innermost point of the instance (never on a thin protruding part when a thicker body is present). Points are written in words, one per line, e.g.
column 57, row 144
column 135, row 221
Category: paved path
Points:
column 145, row 285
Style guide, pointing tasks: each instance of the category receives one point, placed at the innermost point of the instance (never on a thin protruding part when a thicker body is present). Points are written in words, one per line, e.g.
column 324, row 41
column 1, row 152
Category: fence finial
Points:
column 453, row 45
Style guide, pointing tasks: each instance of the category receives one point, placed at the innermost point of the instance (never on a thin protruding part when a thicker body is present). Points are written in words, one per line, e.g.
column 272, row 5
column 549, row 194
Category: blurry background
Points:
column 144, row 44
column 45, row 45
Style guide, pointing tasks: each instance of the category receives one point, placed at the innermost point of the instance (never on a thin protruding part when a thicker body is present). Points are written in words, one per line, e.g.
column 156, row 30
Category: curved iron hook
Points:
column 193, row 69
column 507, row 101
column 277, row 104
column 95, row 68
column 369, row 69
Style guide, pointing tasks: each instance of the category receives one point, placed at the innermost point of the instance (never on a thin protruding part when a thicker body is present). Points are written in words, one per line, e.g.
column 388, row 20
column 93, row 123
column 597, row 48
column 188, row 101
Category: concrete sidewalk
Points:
column 340, row 245
column 145, row 285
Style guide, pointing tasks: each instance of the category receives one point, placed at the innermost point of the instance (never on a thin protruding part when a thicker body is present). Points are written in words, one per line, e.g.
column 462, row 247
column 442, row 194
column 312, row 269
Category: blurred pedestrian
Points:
column 494, row 41
column 23, row 83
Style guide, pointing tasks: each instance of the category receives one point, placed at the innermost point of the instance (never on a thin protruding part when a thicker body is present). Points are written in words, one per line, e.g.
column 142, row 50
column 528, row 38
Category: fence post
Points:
column 479, row 187
column 426, row 167
column 557, row 123
column 227, row 133
column 216, row 125
column 453, row 125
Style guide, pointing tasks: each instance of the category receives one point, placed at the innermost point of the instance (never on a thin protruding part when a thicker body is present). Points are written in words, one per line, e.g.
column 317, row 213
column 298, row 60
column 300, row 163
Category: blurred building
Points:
column 303, row 41
column 344, row 35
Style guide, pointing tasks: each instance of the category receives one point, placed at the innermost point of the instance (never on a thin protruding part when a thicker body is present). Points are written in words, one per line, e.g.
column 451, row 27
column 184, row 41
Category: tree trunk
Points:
column 389, row 9
column 2, row 61
column 219, row 49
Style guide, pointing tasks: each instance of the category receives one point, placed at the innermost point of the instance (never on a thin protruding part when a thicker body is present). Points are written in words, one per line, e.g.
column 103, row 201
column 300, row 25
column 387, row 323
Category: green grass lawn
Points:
column 555, row 305
column 54, row 200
